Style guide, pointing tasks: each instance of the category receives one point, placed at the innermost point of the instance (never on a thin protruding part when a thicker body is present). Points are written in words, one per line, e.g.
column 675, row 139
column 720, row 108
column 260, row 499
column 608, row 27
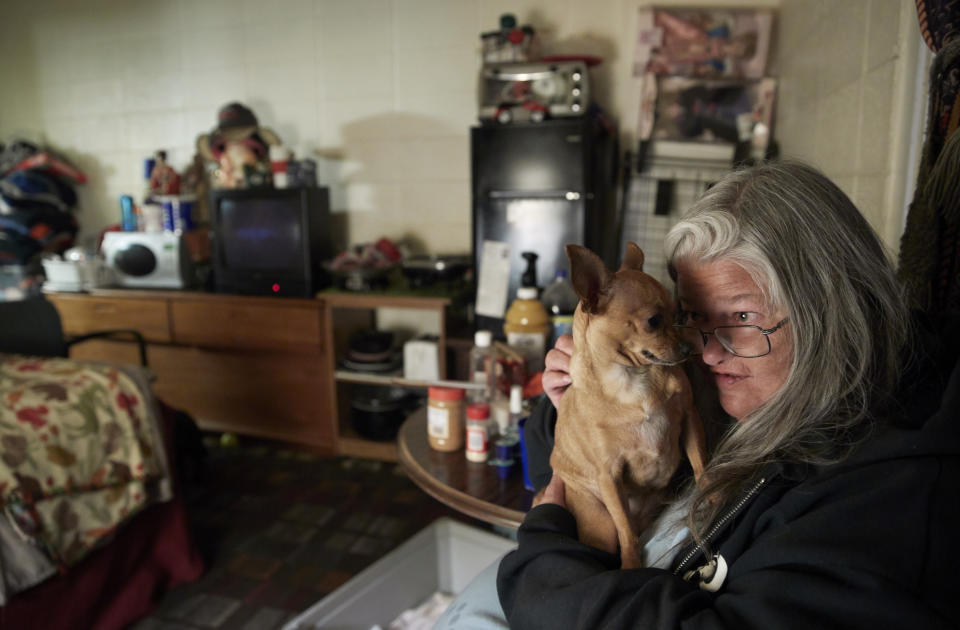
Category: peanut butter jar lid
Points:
column 445, row 393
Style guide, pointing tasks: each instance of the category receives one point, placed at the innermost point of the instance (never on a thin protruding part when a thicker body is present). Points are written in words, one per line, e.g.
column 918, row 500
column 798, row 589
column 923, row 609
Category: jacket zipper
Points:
column 720, row 523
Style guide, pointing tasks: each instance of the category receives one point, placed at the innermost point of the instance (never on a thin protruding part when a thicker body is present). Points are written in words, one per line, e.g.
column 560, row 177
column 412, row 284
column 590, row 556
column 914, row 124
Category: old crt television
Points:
column 270, row 241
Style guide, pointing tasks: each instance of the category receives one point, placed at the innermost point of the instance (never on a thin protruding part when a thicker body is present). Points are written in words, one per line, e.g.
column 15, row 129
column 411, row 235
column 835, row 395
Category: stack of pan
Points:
column 377, row 411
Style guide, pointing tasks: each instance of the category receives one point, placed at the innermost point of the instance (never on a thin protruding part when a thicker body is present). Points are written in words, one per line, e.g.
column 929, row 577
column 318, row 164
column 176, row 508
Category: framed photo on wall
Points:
column 706, row 43
column 694, row 117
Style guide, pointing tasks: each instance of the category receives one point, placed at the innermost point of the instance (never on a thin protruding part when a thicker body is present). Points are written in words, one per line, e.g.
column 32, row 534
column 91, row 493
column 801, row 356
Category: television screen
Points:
column 263, row 233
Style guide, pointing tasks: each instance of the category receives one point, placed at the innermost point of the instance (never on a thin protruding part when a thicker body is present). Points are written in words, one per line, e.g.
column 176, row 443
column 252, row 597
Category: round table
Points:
column 469, row 487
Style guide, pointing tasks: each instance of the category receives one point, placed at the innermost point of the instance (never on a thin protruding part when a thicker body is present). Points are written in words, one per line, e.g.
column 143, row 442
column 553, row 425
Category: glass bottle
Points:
column 560, row 300
column 481, row 366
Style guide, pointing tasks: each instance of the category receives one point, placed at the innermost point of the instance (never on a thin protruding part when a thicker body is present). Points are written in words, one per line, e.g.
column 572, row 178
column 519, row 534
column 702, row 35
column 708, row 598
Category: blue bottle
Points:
column 128, row 217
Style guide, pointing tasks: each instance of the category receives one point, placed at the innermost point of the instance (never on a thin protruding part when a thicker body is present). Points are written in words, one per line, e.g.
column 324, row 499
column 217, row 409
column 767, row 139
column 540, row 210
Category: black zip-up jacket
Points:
column 866, row 543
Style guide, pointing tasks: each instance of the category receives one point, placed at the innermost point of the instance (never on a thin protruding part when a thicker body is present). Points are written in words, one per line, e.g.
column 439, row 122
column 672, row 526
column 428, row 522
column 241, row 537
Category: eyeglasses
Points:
column 744, row 340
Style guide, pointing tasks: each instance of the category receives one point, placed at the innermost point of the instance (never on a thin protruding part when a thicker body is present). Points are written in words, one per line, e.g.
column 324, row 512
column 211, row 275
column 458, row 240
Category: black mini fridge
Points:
column 540, row 186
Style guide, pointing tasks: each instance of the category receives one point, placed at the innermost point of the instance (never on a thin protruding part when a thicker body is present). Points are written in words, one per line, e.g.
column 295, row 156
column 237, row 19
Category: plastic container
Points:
column 510, row 43
column 177, row 212
column 527, row 328
column 561, row 301
column 478, row 432
column 504, row 466
column 446, row 556
column 500, row 413
column 151, row 215
column 445, row 418
column 524, row 461
column 169, row 212
column 183, row 219
column 516, row 412
column 128, row 214
column 481, row 366
column 279, row 162
column 66, row 275
column 19, row 282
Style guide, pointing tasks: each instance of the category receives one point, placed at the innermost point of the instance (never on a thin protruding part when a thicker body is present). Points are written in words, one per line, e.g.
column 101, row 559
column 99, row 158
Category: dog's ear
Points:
column 589, row 277
column 633, row 257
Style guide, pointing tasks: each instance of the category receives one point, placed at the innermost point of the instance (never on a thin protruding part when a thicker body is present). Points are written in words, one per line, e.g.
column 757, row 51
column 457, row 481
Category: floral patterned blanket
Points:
column 80, row 452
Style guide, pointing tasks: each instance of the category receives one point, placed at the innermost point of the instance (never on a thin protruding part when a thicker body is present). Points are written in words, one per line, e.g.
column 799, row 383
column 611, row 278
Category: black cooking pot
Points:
column 425, row 271
column 376, row 413
column 370, row 345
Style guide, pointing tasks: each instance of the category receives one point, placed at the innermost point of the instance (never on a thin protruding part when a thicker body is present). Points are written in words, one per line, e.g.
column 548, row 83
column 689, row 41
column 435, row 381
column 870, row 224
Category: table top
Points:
column 469, row 487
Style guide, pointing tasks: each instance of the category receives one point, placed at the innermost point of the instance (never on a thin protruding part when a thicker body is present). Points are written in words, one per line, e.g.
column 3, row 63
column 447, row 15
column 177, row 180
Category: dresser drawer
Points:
column 247, row 324
column 267, row 393
column 85, row 314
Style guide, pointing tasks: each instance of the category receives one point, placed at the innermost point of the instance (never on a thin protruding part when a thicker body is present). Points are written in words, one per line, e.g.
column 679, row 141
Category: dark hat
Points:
column 25, row 189
column 233, row 115
column 235, row 122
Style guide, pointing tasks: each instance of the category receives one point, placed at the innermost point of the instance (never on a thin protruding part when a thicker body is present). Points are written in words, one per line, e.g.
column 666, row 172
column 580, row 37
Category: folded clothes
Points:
column 424, row 616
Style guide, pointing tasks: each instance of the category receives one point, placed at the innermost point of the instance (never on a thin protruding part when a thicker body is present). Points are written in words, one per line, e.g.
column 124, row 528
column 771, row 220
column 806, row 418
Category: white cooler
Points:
column 444, row 556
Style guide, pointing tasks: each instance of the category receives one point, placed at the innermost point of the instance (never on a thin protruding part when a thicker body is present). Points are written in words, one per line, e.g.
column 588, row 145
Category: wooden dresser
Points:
column 261, row 366
column 256, row 366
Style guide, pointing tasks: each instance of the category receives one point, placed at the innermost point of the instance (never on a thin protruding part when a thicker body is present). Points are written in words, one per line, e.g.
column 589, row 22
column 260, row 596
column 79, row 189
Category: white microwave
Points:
column 153, row 260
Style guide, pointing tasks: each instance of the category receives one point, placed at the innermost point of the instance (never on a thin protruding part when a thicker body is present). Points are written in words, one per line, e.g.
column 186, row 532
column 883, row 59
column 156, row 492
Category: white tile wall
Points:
column 884, row 29
column 844, row 104
column 382, row 92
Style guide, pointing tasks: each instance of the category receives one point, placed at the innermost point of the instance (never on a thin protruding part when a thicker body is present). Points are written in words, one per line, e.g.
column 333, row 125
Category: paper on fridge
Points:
column 494, row 279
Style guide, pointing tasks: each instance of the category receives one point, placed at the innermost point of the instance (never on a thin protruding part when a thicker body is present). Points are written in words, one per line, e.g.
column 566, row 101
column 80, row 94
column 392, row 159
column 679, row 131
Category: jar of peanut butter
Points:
column 445, row 418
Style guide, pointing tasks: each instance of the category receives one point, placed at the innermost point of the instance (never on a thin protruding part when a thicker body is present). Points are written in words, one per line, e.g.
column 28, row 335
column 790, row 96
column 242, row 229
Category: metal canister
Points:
column 177, row 212
column 184, row 213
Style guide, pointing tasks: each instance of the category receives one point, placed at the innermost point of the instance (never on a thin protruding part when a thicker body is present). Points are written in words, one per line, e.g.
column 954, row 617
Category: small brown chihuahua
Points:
column 629, row 406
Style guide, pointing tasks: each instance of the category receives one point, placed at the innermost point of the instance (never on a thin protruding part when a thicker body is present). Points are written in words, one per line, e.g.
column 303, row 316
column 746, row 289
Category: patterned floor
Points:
column 281, row 529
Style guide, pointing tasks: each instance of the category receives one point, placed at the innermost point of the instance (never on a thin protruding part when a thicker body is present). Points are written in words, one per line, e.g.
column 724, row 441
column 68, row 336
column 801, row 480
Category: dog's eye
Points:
column 655, row 321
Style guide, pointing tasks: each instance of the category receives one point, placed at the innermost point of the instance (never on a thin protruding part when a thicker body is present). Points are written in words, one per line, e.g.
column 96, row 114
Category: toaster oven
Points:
column 533, row 91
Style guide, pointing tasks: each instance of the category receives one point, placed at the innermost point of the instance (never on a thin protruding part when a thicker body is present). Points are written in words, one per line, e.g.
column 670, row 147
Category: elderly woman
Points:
column 830, row 495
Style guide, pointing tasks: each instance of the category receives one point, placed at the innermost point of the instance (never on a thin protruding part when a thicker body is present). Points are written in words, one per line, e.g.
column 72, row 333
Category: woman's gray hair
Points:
column 813, row 255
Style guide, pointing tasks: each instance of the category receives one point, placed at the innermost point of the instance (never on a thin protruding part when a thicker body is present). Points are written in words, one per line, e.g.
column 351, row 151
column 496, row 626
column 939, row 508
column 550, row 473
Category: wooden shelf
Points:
column 347, row 312
column 381, row 300
column 347, row 376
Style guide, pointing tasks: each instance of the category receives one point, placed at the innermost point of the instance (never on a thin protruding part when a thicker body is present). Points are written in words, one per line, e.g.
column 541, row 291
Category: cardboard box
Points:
column 445, row 556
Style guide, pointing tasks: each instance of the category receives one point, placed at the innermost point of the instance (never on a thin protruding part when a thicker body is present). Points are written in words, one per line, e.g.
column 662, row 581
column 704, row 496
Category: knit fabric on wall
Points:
column 939, row 21
column 929, row 265
column 647, row 229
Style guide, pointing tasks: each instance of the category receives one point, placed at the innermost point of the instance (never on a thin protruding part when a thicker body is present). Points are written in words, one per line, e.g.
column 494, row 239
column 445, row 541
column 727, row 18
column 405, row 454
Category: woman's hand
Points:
column 553, row 493
column 556, row 373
